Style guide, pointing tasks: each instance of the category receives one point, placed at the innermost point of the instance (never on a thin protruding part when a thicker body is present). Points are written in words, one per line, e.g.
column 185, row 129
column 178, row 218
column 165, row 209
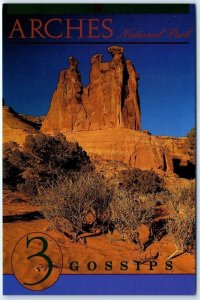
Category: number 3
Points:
column 40, row 254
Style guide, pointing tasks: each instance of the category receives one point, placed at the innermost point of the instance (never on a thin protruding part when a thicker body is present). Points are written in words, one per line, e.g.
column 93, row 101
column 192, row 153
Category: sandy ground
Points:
column 101, row 254
column 98, row 249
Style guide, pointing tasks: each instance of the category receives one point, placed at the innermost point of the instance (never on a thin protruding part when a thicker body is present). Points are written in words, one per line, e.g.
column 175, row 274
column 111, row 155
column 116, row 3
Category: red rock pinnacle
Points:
column 111, row 100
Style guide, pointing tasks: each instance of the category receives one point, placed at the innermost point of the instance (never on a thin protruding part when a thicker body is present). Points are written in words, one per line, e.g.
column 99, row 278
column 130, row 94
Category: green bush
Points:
column 142, row 181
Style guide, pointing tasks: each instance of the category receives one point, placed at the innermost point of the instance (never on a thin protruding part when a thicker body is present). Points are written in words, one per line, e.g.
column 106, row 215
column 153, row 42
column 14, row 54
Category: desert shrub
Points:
column 129, row 210
column 50, row 157
column 141, row 181
column 29, row 186
column 181, row 225
column 191, row 144
column 44, row 158
column 180, row 197
column 56, row 153
column 182, row 229
column 67, row 202
column 8, row 148
column 11, row 170
column 11, row 174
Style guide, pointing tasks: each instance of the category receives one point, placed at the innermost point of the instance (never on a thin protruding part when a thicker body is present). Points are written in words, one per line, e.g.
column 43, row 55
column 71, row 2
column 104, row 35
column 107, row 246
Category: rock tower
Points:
column 110, row 101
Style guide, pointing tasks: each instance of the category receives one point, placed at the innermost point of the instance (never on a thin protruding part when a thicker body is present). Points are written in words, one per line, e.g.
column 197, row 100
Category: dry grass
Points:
column 67, row 203
column 181, row 225
column 129, row 211
column 141, row 181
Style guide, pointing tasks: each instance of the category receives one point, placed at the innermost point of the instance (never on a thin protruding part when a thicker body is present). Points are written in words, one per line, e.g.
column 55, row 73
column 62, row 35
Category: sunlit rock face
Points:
column 104, row 117
column 111, row 100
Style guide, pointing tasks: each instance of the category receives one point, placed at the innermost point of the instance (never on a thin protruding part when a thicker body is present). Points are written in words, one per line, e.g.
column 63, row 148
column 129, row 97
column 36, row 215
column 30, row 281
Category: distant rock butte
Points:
column 110, row 101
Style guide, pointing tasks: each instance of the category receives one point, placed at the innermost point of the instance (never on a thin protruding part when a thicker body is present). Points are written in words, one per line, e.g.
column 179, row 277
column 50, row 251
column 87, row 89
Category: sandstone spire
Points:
column 111, row 100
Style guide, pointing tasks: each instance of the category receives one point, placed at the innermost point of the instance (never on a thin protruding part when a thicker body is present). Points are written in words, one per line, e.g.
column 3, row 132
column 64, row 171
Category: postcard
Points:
column 99, row 149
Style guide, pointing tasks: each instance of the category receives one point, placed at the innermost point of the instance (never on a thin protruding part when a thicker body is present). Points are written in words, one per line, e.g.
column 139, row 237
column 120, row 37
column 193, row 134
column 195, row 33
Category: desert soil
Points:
column 102, row 248
column 21, row 218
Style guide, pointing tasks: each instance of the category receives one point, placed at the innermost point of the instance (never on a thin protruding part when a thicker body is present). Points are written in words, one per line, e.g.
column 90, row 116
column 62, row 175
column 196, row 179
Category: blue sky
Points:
column 167, row 71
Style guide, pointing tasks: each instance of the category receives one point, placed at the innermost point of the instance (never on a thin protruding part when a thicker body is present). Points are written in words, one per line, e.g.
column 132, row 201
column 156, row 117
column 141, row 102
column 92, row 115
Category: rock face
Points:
column 105, row 117
column 15, row 128
column 36, row 121
column 110, row 101
column 164, row 155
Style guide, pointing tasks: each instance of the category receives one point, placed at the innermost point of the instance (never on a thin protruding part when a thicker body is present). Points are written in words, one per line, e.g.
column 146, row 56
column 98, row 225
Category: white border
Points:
column 197, row 296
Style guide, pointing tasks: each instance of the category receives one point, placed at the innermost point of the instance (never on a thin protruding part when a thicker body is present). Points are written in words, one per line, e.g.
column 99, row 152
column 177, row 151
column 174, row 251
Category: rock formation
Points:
column 108, row 111
column 36, row 121
column 138, row 149
column 15, row 127
column 164, row 155
column 111, row 100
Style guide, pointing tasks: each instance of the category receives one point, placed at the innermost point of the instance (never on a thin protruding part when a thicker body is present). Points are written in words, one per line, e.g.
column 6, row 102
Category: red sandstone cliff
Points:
column 15, row 127
column 164, row 155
